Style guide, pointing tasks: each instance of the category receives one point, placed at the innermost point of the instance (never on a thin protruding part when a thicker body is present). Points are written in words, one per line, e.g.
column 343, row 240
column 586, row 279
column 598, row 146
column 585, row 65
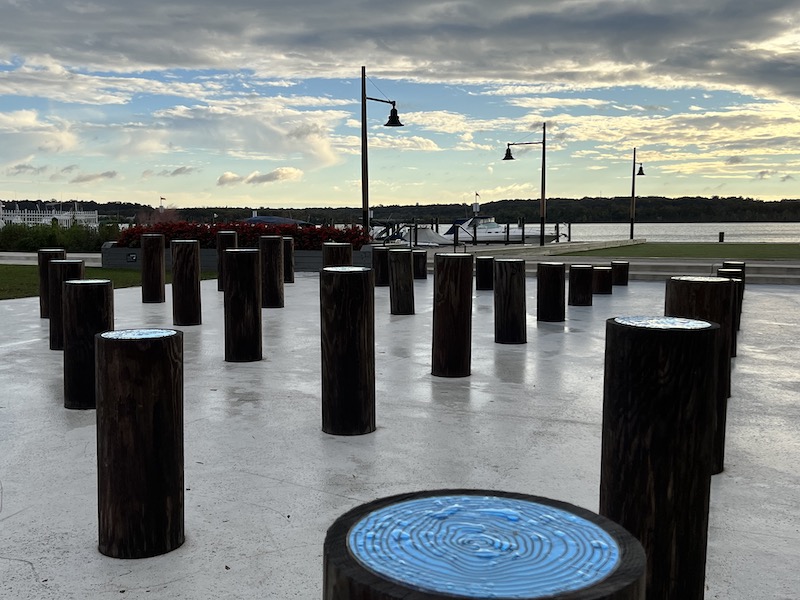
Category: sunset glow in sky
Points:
column 244, row 103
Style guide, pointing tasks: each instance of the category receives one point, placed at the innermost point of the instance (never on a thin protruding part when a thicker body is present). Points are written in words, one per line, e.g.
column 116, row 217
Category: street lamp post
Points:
column 542, row 206
column 394, row 121
column 634, row 174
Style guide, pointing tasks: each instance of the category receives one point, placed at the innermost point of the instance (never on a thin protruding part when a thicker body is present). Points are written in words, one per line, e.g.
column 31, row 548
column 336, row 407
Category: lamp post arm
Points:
column 392, row 102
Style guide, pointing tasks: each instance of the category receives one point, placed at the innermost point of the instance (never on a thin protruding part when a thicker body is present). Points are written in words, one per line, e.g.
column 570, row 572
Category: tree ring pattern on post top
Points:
column 662, row 322
column 138, row 334
column 478, row 546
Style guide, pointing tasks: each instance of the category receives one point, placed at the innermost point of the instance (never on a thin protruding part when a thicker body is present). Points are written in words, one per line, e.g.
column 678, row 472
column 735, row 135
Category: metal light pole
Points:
column 542, row 202
column 634, row 174
column 394, row 121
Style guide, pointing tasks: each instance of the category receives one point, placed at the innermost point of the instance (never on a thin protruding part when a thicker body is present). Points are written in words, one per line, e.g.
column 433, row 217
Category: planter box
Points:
column 304, row 260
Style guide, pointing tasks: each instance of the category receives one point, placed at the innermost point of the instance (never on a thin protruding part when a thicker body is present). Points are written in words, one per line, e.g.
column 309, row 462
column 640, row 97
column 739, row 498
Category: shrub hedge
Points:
column 15, row 237
column 305, row 238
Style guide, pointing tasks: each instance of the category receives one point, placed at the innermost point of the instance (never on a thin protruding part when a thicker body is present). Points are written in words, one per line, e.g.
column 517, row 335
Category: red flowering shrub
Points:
column 305, row 238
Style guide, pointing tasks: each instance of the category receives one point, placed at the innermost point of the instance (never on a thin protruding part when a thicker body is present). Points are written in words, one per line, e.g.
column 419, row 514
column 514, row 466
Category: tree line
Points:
column 649, row 209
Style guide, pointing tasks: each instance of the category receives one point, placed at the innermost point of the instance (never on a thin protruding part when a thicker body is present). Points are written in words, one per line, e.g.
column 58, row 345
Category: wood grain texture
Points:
column 657, row 449
column 452, row 315
column 44, row 256
column 288, row 259
column 88, row 310
column 337, row 254
column 271, row 248
column 581, row 281
column 153, row 268
column 550, row 292
column 242, row 304
column 735, row 275
column 484, row 272
column 60, row 271
column 709, row 299
column 380, row 265
column 140, row 445
column 347, row 332
column 225, row 240
column 401, row 282
column 186, row 297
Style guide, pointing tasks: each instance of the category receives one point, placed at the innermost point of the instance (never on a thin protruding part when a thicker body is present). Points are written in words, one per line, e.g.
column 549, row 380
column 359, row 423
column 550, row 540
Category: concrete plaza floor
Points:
column 263, row 483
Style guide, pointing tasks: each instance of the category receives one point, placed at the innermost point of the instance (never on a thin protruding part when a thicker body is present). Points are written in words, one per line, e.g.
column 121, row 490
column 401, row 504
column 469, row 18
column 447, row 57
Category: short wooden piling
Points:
column 735, row 275
column 401, row 282
column 88, row 310
column 186, row 298
column 550, row 279
column 619, row 272
column 420, row 264
column 484, row 272
column 59, row 271
column 337, row 254
column 510, row 311
column 271, row 248
column 581, row 281
column 288, row 259
column 657, row 444
column 452, row 315
column 225, row 240
column 44, row 256
column 709, row 299
column 380, row 265
column 242, row 304
column 347, row 328
column 140, row 442
column 602, row 280
column 153, row 268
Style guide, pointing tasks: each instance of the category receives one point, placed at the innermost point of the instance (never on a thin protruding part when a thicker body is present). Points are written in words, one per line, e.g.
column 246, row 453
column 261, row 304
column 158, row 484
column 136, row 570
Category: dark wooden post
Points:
column 581, row 282
column 658, row 422
column 347, row 311
column 60, row 271
column 242, row 279
column 186, row 302
column 510, row 311
column 271, row 248
column 737, row 264
column 401, row 282
column 550, row 278
column 288, row 259
column 452, row 315
column 88, row 310
column 225, row 240
column 420, row 264
column 735, row 275
column 619, row 272
column 709, row 299
column 140, row 441
column 380, row 265
column 601, row 280
column 337, row 254
column 153, row 268
column 467, row 543
column 45, row 255
column 484, row 272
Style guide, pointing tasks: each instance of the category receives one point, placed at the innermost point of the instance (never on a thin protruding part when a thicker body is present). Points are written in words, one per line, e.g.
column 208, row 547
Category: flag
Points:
column 162, row 197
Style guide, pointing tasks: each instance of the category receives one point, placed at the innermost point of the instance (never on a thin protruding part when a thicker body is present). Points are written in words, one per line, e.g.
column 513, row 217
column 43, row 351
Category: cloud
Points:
column 90, row 177
column 735, row 160
column 256, row 177
column 25, row 169
column 176, row 172
column 786, row 178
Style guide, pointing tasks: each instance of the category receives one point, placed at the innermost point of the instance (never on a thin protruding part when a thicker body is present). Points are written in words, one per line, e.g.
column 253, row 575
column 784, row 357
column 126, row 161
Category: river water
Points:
column 686, row 232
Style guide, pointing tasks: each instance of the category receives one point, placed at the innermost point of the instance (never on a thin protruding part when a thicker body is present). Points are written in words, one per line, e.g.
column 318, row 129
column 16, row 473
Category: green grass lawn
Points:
column 22, row 281
column 751, row 251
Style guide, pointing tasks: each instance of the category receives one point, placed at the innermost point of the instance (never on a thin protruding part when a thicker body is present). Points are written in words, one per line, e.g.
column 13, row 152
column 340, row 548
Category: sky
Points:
column 258, row 103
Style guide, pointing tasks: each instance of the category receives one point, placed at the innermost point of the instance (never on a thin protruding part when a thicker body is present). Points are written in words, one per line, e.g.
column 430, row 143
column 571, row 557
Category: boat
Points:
column 405, row 234
column 484, row 229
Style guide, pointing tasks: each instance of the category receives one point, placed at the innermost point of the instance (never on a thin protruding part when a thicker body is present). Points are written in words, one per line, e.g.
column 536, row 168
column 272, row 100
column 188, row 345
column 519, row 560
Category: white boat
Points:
column 485, row 230
column 420, row 236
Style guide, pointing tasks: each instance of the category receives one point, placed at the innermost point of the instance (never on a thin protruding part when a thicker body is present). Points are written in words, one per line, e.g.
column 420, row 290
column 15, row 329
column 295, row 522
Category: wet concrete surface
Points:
column 263, row 483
